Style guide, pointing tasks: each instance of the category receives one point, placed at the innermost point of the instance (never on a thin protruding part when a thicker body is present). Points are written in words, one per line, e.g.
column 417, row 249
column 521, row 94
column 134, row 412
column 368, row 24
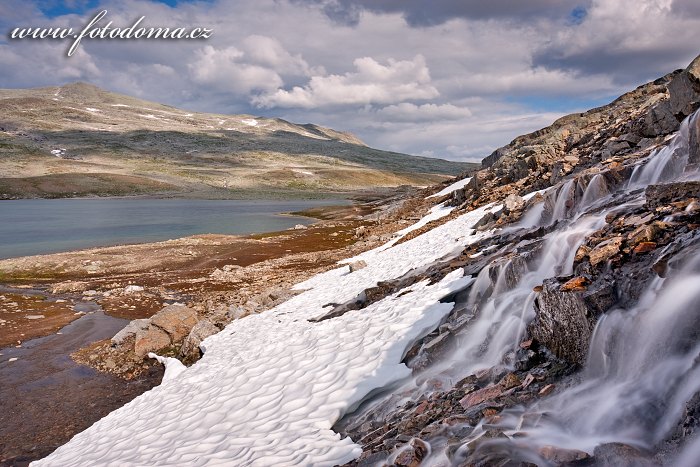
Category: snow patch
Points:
column 458, row 185
column 249, row 122
column 271, row 386
column 92, row 109
column 304, row 172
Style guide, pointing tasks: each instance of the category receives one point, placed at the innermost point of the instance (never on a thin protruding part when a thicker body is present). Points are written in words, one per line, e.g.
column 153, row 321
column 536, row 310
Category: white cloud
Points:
column 225, row 70
column 268, row 52
column 370, row 83
column 463, row 94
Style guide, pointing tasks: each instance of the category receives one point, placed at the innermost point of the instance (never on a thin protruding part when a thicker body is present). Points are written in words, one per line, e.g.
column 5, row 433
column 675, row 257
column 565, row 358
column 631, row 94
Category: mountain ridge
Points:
column 83, row 130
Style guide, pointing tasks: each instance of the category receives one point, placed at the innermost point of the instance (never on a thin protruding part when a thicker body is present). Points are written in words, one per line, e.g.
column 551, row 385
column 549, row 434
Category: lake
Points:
column 40, row 226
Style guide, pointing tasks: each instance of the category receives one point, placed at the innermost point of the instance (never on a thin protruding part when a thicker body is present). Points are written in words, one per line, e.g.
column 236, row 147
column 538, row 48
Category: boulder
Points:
column 684, row 90
column 151, row 339
column 560, row 456
column 620, row 455
column 190, row 349
column 357, row 265
column 694, row 141
column 130, row 330
column 176, row 320
column 660, row 120
column 565, row 319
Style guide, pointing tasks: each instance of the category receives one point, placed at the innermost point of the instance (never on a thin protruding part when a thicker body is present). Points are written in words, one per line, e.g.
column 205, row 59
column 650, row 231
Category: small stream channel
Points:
column 46, row 398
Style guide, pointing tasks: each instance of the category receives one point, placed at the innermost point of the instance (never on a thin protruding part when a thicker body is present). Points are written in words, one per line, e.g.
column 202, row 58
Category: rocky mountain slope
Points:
column 542, row 312
column 81, row 140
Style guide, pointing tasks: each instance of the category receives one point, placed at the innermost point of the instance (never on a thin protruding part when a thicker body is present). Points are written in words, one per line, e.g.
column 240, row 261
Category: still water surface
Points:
column 39, row 226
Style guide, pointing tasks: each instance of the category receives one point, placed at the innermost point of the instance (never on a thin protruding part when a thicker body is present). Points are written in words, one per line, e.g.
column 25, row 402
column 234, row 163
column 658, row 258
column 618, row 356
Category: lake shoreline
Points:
column 205, row 272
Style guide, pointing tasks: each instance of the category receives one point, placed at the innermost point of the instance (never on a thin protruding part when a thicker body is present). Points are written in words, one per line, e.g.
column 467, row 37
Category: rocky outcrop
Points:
column 608, row 134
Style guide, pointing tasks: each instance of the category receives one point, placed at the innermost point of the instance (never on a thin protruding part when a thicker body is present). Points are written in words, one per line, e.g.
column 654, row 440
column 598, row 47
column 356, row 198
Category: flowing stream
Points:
column 644, row 361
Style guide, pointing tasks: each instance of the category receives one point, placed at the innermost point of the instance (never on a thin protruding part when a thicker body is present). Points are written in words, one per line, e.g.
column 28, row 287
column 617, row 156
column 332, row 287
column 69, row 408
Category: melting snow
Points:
column 250, row 122
column 58, row 152
column 92, row 109
column 449, row 189
column 119, row 105
column 270, row 386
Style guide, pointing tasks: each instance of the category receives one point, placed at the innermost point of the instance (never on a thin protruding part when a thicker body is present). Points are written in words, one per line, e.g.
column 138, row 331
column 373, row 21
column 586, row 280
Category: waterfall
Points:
column 642, row 368
column 668, row 162
column 643, row 362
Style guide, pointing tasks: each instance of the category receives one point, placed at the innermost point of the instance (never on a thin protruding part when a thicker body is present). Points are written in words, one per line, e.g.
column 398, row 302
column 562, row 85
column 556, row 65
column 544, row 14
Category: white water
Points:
column 642, row 368
column 644, row 362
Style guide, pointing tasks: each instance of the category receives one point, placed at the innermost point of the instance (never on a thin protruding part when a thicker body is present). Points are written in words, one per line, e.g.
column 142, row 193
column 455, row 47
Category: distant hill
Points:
column 79, row 140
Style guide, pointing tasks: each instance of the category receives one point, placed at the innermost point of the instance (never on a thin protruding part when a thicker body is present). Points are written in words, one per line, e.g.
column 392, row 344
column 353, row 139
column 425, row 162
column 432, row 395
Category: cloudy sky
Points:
column 445, row 78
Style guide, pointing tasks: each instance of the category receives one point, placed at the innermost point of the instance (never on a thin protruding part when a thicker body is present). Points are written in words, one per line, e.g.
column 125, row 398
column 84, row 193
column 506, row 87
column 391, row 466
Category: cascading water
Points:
column 642, row 368
column 643, row 363
column 668, row 162
column 505, row 307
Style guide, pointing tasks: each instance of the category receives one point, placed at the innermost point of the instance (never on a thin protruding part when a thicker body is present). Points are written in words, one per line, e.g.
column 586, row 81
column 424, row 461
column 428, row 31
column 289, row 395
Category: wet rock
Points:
column 509, row 381
column 665, row 194
column 560, row 455
column 577, row 284
column 412, row 454
column 565, row 320
column 620, row 455
column 150, row 339
column 176, row 320
column 605, row 250
column 547, row 390
column 190, row 350
column 644, row 234
column 481, row 395
column 644, row 247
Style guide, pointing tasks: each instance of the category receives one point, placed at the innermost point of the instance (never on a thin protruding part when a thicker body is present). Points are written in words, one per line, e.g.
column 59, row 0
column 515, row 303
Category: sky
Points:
column 454, row 79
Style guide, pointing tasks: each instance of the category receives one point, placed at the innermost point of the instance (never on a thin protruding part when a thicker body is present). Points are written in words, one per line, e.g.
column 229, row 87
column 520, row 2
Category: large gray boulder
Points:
column 566, row 317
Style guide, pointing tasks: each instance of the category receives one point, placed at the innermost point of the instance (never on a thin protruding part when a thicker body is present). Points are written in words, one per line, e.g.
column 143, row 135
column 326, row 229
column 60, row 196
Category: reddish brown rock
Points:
column 577, row 284
column 547, row 390
column 510, row 380
column 645, row 247
column 605, row 250
column 481, row 395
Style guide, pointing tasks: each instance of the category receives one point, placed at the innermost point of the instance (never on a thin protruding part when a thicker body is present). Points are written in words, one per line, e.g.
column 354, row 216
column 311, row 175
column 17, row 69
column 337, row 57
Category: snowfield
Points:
column 270, row 386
